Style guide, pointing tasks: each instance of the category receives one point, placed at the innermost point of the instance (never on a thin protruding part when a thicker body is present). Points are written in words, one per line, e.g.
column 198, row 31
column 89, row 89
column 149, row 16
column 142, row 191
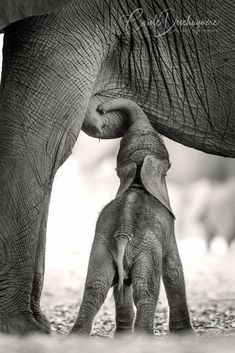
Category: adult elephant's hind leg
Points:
column 173, row 279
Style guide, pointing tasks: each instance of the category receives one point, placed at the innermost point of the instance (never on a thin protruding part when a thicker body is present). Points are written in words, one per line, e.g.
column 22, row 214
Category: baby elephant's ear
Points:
column 153, row 178
column 127, row 175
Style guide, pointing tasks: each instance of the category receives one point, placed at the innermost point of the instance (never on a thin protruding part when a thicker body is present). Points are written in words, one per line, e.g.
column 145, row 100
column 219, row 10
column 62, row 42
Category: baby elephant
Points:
column 134, row 240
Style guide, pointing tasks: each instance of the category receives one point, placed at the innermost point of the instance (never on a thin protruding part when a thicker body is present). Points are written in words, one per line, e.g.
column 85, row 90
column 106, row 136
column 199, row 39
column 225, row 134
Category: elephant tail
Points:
column 124, row 234
column 121, row 242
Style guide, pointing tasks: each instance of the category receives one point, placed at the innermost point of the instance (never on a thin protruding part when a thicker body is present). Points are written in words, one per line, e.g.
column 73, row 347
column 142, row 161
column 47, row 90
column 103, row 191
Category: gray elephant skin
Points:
column 61, row 59
column 134, row 244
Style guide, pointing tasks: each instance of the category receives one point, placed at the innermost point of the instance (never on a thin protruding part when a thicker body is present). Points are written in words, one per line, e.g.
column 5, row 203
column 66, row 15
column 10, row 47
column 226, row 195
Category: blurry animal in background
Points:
column 218, row 213
column 134, row 240
column 188, row 208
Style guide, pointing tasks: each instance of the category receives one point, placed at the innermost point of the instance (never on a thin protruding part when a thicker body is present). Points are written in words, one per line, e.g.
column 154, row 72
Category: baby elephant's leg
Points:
column 146, row 277
column 173, row 279
column 99, row 280
column 124, row 314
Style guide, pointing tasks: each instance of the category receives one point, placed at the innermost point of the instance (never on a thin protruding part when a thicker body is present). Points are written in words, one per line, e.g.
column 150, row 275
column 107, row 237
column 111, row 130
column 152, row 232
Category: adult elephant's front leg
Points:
column 41, row 113
column 26, row 175
column 39, row 269
column 21, row 209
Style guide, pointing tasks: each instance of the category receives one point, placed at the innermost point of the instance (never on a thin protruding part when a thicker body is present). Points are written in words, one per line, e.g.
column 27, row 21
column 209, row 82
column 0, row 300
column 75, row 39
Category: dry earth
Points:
column 210, row 288
column 211, row 297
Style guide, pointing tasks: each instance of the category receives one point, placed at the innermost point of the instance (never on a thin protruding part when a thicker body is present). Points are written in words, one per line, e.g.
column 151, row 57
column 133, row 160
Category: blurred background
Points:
column 202, row 193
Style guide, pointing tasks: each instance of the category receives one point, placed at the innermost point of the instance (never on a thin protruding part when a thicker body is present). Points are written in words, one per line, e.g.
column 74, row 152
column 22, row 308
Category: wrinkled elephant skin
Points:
column 134, row 243
column 60, row 61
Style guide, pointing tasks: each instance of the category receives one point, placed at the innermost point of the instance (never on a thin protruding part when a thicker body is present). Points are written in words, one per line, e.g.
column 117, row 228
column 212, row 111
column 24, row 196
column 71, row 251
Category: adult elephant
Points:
column 57, row 67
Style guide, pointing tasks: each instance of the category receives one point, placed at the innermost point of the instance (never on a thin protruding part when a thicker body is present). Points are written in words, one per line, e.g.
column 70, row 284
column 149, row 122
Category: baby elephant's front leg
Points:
column 173, row 279
column 99, row 280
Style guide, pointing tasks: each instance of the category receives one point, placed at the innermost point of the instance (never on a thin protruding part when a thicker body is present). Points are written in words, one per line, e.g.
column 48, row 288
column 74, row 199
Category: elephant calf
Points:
column 134, row 240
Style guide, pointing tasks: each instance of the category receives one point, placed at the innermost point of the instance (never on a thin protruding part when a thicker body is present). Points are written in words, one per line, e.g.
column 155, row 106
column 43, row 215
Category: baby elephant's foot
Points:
column 181, row 328
column 80, row 330
column 22, row 323
column 121, row 331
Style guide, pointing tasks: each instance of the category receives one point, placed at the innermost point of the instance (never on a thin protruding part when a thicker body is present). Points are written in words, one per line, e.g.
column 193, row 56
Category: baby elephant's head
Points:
column 142, row 158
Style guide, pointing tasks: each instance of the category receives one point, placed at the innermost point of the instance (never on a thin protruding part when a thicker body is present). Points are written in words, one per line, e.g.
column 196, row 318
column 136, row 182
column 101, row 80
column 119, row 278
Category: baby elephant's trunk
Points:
column 123, row 234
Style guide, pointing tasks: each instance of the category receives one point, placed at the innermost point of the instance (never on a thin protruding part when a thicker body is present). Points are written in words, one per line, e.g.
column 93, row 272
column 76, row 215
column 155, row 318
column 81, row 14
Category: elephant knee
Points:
column 143, row 295
column 96, row 291
column 171, row 277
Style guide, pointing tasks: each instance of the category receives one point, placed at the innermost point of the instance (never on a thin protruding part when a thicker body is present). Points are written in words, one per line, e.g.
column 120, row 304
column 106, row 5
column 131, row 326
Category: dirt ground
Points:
column 211, row 298
column 210, row 290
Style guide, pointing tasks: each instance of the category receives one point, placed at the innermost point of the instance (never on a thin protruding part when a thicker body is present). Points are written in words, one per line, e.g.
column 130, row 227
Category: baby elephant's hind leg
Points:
column 146, row 275
column 124, row 314
column 101, row 271
column 173, row 279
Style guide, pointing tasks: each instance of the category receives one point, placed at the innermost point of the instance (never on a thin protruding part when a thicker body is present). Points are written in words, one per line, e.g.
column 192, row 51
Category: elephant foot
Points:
column 79, row 332
column 81, row 329
column 181, row 328
column 22, row 323
column 42, row 320
column 121, row 331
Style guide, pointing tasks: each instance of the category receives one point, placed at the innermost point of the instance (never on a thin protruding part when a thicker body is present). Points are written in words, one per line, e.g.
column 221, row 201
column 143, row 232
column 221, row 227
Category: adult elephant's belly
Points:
column 183, row 80
column 202, row 122
column 14, row 10
column 194, row 108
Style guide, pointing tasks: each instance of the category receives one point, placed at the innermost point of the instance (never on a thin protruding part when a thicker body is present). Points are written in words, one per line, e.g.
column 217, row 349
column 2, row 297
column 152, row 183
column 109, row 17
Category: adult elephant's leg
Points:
column 41, row 113
column 39, row 269
column 25, row 188
column 21, row 209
